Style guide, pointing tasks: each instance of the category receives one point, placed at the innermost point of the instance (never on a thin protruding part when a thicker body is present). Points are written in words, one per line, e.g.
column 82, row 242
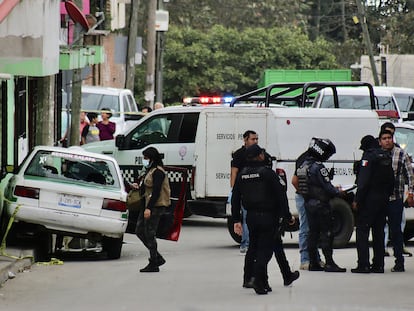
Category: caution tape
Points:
column 53, row 261
column 111, row 111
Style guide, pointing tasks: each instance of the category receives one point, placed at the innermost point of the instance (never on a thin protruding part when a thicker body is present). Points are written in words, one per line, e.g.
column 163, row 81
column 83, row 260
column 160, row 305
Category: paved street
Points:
column 203, row 272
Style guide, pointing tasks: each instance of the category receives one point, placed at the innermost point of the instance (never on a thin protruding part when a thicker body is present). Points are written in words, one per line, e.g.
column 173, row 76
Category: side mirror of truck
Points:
column 120, row 141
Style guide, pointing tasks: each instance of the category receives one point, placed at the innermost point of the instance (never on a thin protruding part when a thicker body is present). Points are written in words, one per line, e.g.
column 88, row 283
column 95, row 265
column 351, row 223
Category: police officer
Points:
column 375, row 185
column 257, row 187
column 316, row 187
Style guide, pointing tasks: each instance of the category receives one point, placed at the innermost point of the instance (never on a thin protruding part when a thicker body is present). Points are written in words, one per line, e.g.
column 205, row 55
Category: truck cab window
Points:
column 154, row 131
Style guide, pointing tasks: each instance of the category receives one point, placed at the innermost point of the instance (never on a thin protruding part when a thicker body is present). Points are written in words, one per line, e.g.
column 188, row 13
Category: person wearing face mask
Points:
column 156, row 190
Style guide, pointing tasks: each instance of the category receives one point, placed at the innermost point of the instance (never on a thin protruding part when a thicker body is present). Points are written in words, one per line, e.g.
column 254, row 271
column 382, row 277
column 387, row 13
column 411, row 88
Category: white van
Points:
column 203, row 138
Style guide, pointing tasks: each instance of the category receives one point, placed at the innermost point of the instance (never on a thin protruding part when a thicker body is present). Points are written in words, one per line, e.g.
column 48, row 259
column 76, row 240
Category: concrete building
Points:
column 393, row 70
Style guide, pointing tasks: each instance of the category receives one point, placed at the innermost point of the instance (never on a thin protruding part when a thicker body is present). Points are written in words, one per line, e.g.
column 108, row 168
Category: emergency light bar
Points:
column 207, row 100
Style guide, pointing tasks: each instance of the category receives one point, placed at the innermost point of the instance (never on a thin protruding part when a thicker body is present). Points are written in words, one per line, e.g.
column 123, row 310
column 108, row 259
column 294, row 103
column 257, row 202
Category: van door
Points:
column 223, row 134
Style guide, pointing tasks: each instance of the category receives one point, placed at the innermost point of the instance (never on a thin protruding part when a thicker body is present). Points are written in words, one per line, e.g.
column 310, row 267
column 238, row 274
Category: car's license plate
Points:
column 69, row 201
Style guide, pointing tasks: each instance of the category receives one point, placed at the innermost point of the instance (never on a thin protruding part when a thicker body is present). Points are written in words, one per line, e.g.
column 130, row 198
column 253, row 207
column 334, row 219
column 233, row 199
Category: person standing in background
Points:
column 375, row 184
column 83, row 121
column 403, row 173
column 146, row 109
column 158, row 105
column 237, row 163
column 106, row 127
column 90, row 132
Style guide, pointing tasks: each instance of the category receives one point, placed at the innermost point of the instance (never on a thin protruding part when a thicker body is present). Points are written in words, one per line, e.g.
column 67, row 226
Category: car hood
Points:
column 104, row 147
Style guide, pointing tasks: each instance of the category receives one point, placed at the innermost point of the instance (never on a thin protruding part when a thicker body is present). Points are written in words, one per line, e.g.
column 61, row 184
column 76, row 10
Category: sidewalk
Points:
column 9, row 266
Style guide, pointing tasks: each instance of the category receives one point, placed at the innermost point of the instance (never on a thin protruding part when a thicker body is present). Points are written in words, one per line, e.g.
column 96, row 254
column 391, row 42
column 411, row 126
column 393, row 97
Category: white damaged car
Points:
column 70, row 192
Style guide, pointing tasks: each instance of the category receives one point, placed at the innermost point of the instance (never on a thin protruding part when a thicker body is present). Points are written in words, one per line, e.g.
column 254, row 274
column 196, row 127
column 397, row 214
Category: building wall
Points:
column 399, row 69
column 29, row 37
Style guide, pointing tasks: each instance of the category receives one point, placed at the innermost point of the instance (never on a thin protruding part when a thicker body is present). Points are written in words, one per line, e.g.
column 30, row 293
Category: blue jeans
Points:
column 303, row 229
column 245, row 235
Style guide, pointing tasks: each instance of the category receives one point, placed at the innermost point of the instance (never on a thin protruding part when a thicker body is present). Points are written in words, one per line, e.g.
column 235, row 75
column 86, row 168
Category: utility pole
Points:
column 367, row 40
column 132, row 42
column 75, row 108
column 151, row 42
column 160, row 58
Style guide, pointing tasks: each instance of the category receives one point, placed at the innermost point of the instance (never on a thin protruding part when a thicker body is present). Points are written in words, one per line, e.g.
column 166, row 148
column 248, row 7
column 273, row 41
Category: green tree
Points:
column 224, row 60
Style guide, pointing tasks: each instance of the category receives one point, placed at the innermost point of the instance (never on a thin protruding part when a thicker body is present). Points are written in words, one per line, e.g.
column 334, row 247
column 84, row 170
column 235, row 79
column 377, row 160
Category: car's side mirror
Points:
column 120, row 141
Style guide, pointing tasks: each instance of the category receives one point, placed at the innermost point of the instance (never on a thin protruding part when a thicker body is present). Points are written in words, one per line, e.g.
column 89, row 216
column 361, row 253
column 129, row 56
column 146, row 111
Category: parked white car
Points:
column 404, row 97
column 70, row 192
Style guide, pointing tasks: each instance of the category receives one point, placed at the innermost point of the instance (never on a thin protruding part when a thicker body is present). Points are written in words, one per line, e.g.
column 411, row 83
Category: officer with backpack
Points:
column 316, row 187
column 375, row 184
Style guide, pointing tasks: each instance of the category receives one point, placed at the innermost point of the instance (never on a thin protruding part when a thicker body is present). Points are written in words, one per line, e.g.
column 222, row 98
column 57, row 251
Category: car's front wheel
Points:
column 112, row 246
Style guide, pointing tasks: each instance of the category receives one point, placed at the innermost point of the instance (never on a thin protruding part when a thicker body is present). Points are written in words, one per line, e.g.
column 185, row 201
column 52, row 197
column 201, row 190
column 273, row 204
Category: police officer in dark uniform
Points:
column 375, row 185
column 316, row 187
column 257, row 187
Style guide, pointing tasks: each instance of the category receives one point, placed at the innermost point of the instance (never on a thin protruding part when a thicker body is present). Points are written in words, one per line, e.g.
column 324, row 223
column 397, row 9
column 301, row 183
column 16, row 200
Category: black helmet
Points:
column 321, row 148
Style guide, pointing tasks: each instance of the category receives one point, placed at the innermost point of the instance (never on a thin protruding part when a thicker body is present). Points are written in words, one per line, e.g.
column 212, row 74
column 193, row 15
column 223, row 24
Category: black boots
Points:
column 333, row 267
column 260, row 287
column 316, row 267
column 160, row 260
column 360, row 269
column 153, row 265
column 330, row 265
column 293, row 276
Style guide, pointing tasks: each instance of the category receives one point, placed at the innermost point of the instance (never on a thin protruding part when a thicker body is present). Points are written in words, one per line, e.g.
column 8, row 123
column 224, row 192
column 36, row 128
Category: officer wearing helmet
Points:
column 316, row 187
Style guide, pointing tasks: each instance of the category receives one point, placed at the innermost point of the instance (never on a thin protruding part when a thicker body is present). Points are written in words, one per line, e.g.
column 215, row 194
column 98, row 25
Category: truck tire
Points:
column 112, row 246
column 230, row 227
column 343, row 222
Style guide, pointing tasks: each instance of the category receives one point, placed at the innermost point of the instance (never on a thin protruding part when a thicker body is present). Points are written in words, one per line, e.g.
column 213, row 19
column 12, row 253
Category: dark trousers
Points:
column 146, row 230
column 320, row 232
column 281, row 259
column 261, row 234
column 371, row 216
column 394, row 214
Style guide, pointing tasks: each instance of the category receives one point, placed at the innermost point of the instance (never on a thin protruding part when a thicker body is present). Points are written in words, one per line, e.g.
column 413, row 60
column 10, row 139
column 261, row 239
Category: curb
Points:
column 22, row 259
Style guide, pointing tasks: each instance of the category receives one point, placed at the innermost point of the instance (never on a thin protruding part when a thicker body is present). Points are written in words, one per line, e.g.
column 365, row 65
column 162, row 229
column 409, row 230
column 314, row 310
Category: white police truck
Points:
column 202, row 139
